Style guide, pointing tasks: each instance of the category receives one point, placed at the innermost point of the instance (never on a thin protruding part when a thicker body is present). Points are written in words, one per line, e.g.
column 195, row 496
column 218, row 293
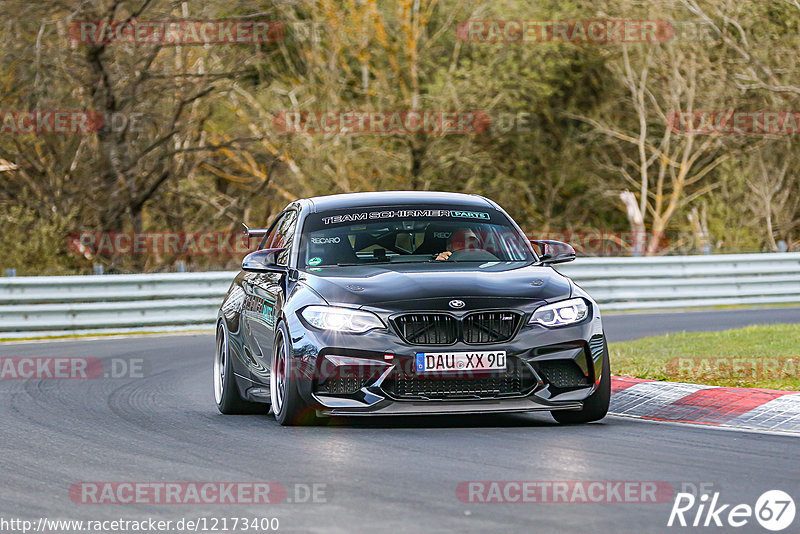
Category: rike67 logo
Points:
column 774, row 510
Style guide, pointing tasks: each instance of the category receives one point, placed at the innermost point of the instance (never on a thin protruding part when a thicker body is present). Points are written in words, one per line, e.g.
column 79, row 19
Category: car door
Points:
column 269, row 292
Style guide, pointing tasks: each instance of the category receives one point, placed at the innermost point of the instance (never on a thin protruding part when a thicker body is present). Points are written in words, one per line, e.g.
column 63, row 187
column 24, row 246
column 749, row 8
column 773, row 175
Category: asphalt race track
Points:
column 625, row 326
column 379, row 475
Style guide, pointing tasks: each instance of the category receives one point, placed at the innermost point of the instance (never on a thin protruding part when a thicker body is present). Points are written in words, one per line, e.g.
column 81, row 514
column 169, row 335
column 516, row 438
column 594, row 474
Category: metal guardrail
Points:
column 688, row 281
column 70, row 304
column 57, row 304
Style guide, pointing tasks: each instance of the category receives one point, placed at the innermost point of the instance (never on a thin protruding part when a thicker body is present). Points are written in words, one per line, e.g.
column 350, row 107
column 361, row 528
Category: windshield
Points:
column 405, row 234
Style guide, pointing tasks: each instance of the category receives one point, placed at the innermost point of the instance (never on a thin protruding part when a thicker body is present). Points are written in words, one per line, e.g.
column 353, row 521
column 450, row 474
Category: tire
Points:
column 226, row 392
column 596, row 406
column 288, row 406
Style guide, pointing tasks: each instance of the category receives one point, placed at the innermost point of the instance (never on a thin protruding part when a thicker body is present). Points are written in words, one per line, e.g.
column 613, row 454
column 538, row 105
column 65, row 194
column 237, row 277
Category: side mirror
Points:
column 251, row 232
column 263, row 261
column 551, row 252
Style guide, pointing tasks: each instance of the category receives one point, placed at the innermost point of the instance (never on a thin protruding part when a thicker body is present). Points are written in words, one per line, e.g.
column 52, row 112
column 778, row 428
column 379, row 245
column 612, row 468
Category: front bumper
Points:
column 544, row 354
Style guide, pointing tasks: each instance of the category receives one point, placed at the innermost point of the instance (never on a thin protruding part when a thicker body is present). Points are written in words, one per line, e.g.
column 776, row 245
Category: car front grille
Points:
column 444, row 329
column 489, row 327
column 427, row 328
column 516, row 380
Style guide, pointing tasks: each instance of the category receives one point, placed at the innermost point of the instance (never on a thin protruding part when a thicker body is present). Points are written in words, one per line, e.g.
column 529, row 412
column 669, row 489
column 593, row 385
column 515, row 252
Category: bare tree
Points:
column 667, row 165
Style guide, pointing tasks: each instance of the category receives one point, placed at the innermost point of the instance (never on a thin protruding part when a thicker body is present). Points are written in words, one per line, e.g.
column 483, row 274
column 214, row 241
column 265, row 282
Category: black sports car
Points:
column 399, row 303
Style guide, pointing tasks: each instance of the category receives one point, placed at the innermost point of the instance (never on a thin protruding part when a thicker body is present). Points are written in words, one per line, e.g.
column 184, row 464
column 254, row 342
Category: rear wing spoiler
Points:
column 252, row 232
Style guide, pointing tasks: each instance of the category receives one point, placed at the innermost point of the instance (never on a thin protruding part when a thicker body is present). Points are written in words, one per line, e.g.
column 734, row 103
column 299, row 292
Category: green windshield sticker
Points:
column 315, row 261
column 470, row 214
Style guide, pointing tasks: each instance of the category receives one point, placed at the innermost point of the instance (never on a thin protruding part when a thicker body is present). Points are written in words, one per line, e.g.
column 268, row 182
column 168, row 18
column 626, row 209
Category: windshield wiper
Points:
column 388, row 262
column 344, row 264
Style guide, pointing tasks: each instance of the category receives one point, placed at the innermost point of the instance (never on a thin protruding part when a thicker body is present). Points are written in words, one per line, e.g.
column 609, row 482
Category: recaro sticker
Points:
column 325, row 240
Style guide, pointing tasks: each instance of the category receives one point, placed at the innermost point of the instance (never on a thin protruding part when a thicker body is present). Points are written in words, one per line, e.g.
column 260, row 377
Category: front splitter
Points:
column 452, row 408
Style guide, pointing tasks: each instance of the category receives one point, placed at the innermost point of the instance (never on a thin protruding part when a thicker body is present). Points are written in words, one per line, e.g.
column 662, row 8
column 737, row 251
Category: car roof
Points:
column 394, row 198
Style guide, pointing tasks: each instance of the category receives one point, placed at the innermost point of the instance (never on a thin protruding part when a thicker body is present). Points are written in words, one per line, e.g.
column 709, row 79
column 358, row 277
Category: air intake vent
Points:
column 514, row 381
column 563, row 373
column 596, row 346
column 339, row 386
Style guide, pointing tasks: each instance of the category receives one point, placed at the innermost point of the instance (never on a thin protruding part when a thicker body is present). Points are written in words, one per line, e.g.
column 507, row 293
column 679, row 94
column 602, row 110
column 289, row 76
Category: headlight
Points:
column 341, row 319
column 562, row 313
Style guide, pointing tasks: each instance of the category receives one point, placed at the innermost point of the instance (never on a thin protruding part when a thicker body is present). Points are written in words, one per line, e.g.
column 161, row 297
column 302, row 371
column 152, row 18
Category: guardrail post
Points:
column 98, row 268
column 180, row 266
column 11, row 272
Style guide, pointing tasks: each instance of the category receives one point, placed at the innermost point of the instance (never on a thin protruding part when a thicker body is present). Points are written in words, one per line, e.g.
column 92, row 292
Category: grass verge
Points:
column 762, row 356
column 93, row 335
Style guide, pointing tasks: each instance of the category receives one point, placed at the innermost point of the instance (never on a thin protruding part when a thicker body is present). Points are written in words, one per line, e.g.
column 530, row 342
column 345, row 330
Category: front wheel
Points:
column 596, row 406
column 287, row 405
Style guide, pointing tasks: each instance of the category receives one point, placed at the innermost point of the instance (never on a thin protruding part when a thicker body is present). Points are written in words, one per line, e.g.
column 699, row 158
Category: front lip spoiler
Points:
column 487, row 406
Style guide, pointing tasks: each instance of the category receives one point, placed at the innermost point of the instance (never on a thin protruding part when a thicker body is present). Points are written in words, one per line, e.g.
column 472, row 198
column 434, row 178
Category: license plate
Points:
column 461, row 361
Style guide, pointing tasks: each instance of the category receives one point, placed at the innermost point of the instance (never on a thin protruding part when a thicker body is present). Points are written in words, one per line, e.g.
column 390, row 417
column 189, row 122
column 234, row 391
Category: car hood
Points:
column 426, row 285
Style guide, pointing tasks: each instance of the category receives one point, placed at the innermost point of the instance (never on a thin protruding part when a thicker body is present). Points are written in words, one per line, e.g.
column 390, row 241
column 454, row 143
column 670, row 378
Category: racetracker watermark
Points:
column 755, row 368
column 50, row 121
column 90, row 244
column 205, row 492
column 381, row 122
column 564, row 492
column 566, row 31
column 146, row 524
column 605, row 243
column 176, row 32
column 761, row 122
column 334, row 371
column 70, row 368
